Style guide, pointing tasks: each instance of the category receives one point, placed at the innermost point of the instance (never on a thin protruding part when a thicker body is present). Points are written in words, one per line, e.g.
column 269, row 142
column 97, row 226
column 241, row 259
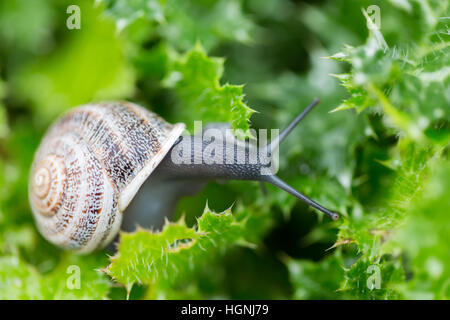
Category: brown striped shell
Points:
column 88, row 168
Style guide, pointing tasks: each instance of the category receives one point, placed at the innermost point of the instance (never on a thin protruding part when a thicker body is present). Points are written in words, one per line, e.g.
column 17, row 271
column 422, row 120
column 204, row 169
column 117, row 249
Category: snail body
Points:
column 93, row 160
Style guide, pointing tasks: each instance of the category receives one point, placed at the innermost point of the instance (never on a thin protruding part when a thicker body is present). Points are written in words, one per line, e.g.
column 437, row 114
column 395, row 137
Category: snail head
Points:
column 217, row 154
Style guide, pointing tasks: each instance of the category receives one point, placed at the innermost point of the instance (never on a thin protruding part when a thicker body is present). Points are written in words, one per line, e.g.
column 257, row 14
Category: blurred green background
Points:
column 381, row 159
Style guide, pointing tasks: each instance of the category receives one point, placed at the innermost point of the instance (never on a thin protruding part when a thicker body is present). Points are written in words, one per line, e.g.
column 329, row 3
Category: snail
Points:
column 94, row 159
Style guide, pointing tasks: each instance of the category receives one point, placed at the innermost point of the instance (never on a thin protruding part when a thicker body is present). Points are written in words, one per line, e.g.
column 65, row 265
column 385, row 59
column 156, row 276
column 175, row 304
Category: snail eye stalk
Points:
column 276, row 143
column 284, row 186
column 276, row 181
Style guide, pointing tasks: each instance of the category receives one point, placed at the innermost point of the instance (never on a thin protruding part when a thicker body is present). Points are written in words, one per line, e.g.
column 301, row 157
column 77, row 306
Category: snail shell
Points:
column 88, row 168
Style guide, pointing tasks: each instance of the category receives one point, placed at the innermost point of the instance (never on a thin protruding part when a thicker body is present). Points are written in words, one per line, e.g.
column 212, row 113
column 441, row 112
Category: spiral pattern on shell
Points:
column 89, row 166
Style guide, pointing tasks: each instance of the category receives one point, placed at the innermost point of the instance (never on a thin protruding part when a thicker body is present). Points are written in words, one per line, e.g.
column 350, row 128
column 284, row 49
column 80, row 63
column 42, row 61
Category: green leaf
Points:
column 370, row 279
column 414, row 82
column 126, row 12
column 173, row 254
column 373, row 231
column 62, row 283
column 412, row 170
column 427, row 255
column 183, row 23
column 358, row 99
column 18, row 280
column 316, row 280
column 195, row 77
column 205, row 21
column 76, row 277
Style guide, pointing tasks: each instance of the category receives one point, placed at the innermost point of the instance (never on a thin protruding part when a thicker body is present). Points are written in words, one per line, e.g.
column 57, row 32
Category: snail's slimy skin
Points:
column 89, row 166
